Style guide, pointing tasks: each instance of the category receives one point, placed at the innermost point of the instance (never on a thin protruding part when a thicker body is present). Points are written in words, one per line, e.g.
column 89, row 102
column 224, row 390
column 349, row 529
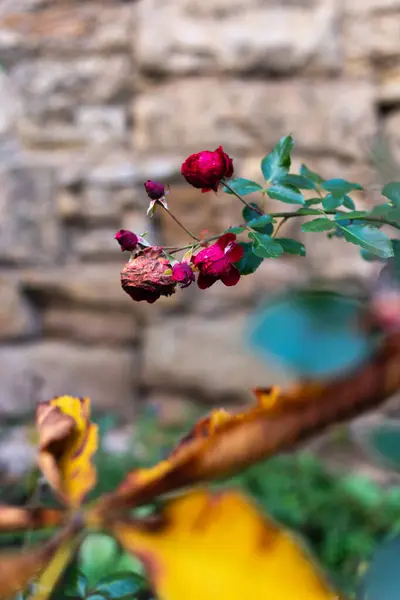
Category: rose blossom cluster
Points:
column 152, row 272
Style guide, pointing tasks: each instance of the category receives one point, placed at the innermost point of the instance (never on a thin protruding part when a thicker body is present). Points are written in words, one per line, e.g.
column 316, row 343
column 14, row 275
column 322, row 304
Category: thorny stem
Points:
column 289, row 215
column 179, row 223
column 254, row 208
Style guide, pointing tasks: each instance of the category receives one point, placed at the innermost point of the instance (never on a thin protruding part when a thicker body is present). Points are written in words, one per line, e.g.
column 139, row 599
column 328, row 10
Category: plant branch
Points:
column 256, row 209
column 179, row 223
column 285, row 216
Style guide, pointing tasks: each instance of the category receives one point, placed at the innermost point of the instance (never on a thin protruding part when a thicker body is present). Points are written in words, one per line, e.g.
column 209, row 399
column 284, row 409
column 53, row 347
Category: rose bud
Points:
column 183, row 274
column 127, row 240
column 148, row 276
column 206, row 169
column 216, row 262
column 155, row 190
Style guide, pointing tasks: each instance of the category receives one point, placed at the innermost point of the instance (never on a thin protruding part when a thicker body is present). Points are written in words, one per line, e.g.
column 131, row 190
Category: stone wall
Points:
column 96, row 97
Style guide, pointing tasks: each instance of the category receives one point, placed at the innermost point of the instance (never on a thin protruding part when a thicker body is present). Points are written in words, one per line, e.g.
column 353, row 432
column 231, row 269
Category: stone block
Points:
column 334, row 117
column 178, row 38
column 34, row 372
column 29, row 226
column 207, row 356
column 18, row 318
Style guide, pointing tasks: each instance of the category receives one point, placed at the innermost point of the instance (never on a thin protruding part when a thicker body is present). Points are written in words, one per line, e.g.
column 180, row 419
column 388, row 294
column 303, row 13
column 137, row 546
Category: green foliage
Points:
column 244, row 187
column 262, row 223
column 277, row 163
column 291, row 246
column 251, row 212
column 370, row 238
column 392, row 192
column 314, row 177
column 265, row 246
column 340, row 187
column 320, row 224
column 249, row 262
column 286, row 193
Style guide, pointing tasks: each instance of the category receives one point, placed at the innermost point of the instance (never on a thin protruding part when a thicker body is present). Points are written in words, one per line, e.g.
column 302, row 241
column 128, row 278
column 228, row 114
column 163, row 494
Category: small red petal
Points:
column 205, row 281
column 225, row 239
column 234, row 252
column 231, row 277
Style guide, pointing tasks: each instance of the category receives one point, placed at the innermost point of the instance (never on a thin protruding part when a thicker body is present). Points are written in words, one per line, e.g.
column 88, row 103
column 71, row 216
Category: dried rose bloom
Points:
column 148, row 276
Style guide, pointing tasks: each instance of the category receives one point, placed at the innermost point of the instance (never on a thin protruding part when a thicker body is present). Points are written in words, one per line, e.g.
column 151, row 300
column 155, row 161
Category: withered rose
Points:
column 148, row 276
column 206, row 169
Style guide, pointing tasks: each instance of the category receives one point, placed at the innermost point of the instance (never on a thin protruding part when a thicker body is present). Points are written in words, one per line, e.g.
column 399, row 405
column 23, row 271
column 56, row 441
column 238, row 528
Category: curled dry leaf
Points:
column 224, row 444
column 219, row 547
column 20, row 519
column 19, row 569
column 67, row 443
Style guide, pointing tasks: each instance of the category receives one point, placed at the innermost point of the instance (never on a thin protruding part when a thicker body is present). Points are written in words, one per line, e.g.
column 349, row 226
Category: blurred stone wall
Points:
column 96, row 96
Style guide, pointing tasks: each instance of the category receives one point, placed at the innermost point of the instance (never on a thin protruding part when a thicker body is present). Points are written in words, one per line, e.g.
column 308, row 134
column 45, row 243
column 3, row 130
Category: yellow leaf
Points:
column 219, row 547
column 68, row 442
column 223, row 443
column 21, row 519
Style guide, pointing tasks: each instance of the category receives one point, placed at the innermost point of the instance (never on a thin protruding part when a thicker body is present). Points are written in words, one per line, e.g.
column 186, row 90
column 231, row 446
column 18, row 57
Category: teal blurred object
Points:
column 382, row 580
column 380, row 438
column 314, row 333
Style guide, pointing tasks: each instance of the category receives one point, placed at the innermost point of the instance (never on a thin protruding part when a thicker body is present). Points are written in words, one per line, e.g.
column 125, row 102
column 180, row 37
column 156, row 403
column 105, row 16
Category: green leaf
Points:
column 349, row 203
column 99, row 554
column 308, row 211
column 368, row 256
column 392, row 192
column 251, row 213
column 321, row 224
column 298, row 181
column 311, row 332
column 370, row 238
column 263, row 224
column 291, row 246
column 354, row 214
column 265, row 246
column 244, row 187
column 306, row 172
column 312, row 201
column 286, row 193
column 331, row 202
column 82, row 585
column 340, row 187
column 249, row 262
column 277, row 163
column 119, row 585
column 236, row 230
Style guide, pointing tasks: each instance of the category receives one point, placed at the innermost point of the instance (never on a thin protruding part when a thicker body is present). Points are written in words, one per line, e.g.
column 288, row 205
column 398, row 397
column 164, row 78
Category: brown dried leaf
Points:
column 22, row 519
column 224, row 444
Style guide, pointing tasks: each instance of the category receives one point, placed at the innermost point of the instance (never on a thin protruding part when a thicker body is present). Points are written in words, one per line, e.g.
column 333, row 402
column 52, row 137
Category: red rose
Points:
column 216, row 262
column 127, row 240
column 183, row 275
column 206, row 169
column 146, row 276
